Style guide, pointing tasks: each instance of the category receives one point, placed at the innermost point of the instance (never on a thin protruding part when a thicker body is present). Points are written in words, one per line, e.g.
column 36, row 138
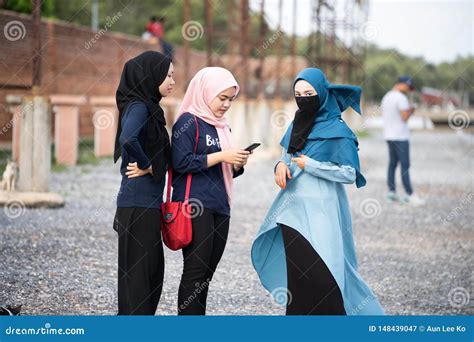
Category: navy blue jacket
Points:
column 207, row 184
column 142, row 191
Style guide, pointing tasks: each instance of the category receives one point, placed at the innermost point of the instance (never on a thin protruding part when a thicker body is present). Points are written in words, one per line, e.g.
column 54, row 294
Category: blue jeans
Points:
column 167, row 48
column 399, row 152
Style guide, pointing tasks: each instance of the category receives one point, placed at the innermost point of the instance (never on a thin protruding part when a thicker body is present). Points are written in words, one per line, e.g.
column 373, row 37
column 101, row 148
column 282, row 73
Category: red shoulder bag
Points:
column 176, row 223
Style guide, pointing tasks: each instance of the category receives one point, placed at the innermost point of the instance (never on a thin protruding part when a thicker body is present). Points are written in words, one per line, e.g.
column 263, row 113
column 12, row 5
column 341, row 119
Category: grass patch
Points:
column 86, row 153
column 56, row 168
column 4, row 156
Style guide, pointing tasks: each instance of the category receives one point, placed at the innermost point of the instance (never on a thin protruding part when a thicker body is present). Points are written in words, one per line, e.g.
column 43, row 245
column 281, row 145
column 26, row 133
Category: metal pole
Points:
column 187, row 18
column 332, row 51
column 231, row 26
column 95, row 15
column 261, row 84
column 243, row 45
column 36, row 42
column 209, row 30
column 279, row 51
column 293, row 42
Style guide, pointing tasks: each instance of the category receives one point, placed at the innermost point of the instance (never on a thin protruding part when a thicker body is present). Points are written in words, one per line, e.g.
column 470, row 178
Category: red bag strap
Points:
column 188, row 181
column 168, row 188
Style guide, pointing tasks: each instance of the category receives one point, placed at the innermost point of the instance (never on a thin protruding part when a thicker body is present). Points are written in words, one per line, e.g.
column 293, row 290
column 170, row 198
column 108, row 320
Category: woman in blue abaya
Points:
column 304, row 251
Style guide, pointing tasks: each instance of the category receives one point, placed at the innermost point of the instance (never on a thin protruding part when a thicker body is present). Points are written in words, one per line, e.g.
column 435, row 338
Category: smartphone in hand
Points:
column 252, row 147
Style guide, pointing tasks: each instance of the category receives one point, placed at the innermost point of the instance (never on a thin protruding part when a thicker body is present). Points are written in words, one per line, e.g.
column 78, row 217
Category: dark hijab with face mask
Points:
column 318, row 130
column 141, row 77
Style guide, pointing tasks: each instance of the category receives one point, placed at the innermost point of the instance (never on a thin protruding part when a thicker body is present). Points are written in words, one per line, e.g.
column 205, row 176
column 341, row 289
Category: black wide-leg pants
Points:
column 140, row 260
column 312, row 289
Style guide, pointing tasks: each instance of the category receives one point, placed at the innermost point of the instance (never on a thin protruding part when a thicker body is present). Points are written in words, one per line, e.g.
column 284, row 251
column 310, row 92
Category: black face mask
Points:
column 303, row 122
column 308, row 104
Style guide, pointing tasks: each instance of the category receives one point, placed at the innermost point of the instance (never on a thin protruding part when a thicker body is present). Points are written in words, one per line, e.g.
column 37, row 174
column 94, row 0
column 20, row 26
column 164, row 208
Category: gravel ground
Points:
column 417, row 260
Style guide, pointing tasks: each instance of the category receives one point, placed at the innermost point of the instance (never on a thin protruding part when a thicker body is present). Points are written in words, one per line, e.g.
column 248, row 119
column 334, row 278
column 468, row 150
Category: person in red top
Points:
column 155, row 27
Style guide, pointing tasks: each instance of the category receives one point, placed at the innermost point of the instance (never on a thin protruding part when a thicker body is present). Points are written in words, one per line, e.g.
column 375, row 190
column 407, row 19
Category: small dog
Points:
column 10, row 310
column 9, row 176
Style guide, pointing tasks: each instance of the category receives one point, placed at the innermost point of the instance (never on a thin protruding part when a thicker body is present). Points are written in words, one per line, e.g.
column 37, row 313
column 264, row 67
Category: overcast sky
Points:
column 435, row 29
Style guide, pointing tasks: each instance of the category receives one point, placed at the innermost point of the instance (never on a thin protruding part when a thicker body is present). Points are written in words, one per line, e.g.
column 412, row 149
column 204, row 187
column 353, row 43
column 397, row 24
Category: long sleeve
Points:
column 133, row 123
column 285, row 158
column 330, row 171
column 239, row 172
column 182, row 147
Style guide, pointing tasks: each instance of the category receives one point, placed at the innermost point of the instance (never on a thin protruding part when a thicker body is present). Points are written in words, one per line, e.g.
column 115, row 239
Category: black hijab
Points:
column 141, row 77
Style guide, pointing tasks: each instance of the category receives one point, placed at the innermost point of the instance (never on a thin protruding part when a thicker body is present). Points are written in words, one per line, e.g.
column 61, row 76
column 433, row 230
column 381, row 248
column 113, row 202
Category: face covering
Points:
column 303, row 121
column 308, row 104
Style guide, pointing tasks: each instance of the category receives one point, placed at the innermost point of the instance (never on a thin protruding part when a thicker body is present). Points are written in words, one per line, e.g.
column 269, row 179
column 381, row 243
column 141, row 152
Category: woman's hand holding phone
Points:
column 235, row 156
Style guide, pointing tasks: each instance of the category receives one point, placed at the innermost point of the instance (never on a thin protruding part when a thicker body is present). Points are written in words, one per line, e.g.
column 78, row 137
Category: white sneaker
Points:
column 413, row 200
column 392, row 197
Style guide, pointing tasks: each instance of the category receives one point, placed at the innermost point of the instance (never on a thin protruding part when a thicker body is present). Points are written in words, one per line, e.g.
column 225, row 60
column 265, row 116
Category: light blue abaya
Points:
column 315, row 203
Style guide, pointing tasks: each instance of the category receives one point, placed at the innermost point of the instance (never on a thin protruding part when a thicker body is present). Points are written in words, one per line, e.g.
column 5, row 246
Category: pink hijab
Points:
column 203, row 88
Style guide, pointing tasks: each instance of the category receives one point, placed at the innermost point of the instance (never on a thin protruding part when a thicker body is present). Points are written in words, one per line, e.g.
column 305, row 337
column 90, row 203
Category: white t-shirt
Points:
column 394, row 128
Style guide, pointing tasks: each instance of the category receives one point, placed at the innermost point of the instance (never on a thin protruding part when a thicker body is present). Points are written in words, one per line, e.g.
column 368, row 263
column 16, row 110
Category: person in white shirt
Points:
column 396, row 111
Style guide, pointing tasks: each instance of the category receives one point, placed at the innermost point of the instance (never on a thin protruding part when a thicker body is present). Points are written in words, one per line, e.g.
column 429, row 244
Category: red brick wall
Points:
column 68, row 67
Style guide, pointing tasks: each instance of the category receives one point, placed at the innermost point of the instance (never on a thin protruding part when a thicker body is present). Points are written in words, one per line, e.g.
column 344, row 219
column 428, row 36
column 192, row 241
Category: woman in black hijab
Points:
column 144, row 145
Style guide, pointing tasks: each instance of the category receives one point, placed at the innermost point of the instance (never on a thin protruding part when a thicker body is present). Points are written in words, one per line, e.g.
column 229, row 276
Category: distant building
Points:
column 435, row 97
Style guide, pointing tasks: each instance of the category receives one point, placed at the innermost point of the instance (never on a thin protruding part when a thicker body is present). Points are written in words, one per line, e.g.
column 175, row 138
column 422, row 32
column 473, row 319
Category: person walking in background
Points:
column 166, row 46
column 396, row 111
column 156, row 27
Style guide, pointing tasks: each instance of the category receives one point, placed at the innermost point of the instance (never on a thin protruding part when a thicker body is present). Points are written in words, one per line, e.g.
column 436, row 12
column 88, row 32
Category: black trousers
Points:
column 312, row 289
column 201, row 258
column 141, row 263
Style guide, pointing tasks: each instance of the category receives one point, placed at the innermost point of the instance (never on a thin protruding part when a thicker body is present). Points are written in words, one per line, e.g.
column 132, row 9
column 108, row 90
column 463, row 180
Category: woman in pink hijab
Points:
column 213, row 162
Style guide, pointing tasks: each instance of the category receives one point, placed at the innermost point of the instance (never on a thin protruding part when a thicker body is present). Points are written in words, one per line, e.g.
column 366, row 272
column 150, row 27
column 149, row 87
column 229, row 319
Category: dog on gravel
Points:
column 9, row 176
column 10, row 310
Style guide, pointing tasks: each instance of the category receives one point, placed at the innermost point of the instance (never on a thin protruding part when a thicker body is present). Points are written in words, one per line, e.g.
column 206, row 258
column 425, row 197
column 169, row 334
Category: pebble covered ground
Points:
column 418, row 260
